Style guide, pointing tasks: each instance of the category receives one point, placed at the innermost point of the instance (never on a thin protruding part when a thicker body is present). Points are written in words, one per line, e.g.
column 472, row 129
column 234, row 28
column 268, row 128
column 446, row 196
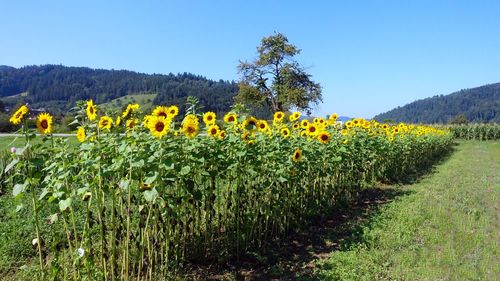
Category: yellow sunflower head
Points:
column 173, row 111
column 105, row 123
column 80, row 134
column 324, row 137
column 343, row 132
column 294, row 117
column 209, row 118
column 285, row 132
column 159, row 126
column 296, row 126
column 18, row 116
column 334, row 117
column 278, row 117
column 222, row 134
column 304, row 123
column 297, row 155
column 312, row 130
column 213, row 131
column 190, row 126
column 230, row 118
column 262, row 126
column 44, row 123
column 161, row 111
column 91, row 110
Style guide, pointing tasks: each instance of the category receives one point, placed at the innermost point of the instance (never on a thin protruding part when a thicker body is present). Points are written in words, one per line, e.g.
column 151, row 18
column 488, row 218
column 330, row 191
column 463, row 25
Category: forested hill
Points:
column 57, row 88
column 481, row 104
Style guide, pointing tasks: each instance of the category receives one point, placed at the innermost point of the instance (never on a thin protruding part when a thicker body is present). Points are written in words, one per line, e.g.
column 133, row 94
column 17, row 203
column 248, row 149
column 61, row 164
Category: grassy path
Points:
column 446, row 228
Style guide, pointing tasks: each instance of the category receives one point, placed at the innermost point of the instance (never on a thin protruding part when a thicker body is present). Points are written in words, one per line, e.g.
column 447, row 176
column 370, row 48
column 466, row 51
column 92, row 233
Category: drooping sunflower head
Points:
column 209, row 118
column 91, row 110
column 285, row 132
column 160, row 111
column 278, row 117
column 297, row 155
column 294, row 117
column 105, row 123
column 127, row 113
column 44, row 123
column 173, row 111
column 18, row 116
column 213, row 131
column 324, row 137
column 230, row 118
column 159, row 126
column 312, row 130
column 80, row 134
column 262, row 126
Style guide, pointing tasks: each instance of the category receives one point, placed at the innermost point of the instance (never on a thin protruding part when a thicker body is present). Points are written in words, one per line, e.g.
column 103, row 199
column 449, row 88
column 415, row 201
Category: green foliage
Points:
column 275, row 79
column 481, row 104
column 476, row 131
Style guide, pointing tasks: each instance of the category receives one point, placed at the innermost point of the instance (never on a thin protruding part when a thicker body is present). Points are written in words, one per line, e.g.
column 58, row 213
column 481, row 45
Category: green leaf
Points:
column 150, row 177
column 45, row 191
column 150, row 195
column 124, row 184
column 11, row 164
column 137, row 164
column 54, row 218
column 19, row 188
column 185, row 170
column 65, row 204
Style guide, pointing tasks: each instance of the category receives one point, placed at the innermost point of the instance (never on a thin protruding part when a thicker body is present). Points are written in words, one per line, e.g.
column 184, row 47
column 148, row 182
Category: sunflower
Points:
column 159, row 126
column 334, row 117
column 230, row 118
column 278, row 117
column 160, row 111
column 146, row 119
column 304, row 123
column 262, row 126
column 213, row 131
column 91, row 110
column 251, row 142
column 296, row 126
column 312, row 130
column 18, row 116
column 105, row 123
column 44, row 123
column 344, row 141
column 324, row 137
column 145, row 186
column 131, row 123
column 355, row 122
column 294, row 117
column 285, row 132
column 209, row 118
column 303, row 133
column 250, row 123
column 297, row 155
column 80, row 134
column 173, row 111
column 129, row 110
column 222, row 134
column 348, row 124
column 190, row 126
column 343, row 132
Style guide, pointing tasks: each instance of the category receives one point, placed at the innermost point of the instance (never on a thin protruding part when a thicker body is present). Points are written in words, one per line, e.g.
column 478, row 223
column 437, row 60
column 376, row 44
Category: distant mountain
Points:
column 56, row 88
column 481, row 104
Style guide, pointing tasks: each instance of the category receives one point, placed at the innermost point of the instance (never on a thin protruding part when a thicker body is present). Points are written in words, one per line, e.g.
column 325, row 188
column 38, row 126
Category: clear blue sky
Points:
column 369, row 56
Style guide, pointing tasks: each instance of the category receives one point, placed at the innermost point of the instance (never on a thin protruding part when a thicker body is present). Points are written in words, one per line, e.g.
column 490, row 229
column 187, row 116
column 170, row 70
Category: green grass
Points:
column 144, row 100
column 447, row 228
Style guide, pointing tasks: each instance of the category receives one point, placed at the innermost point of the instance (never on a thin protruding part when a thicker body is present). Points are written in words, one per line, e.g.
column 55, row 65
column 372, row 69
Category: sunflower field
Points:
column 142, row 195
